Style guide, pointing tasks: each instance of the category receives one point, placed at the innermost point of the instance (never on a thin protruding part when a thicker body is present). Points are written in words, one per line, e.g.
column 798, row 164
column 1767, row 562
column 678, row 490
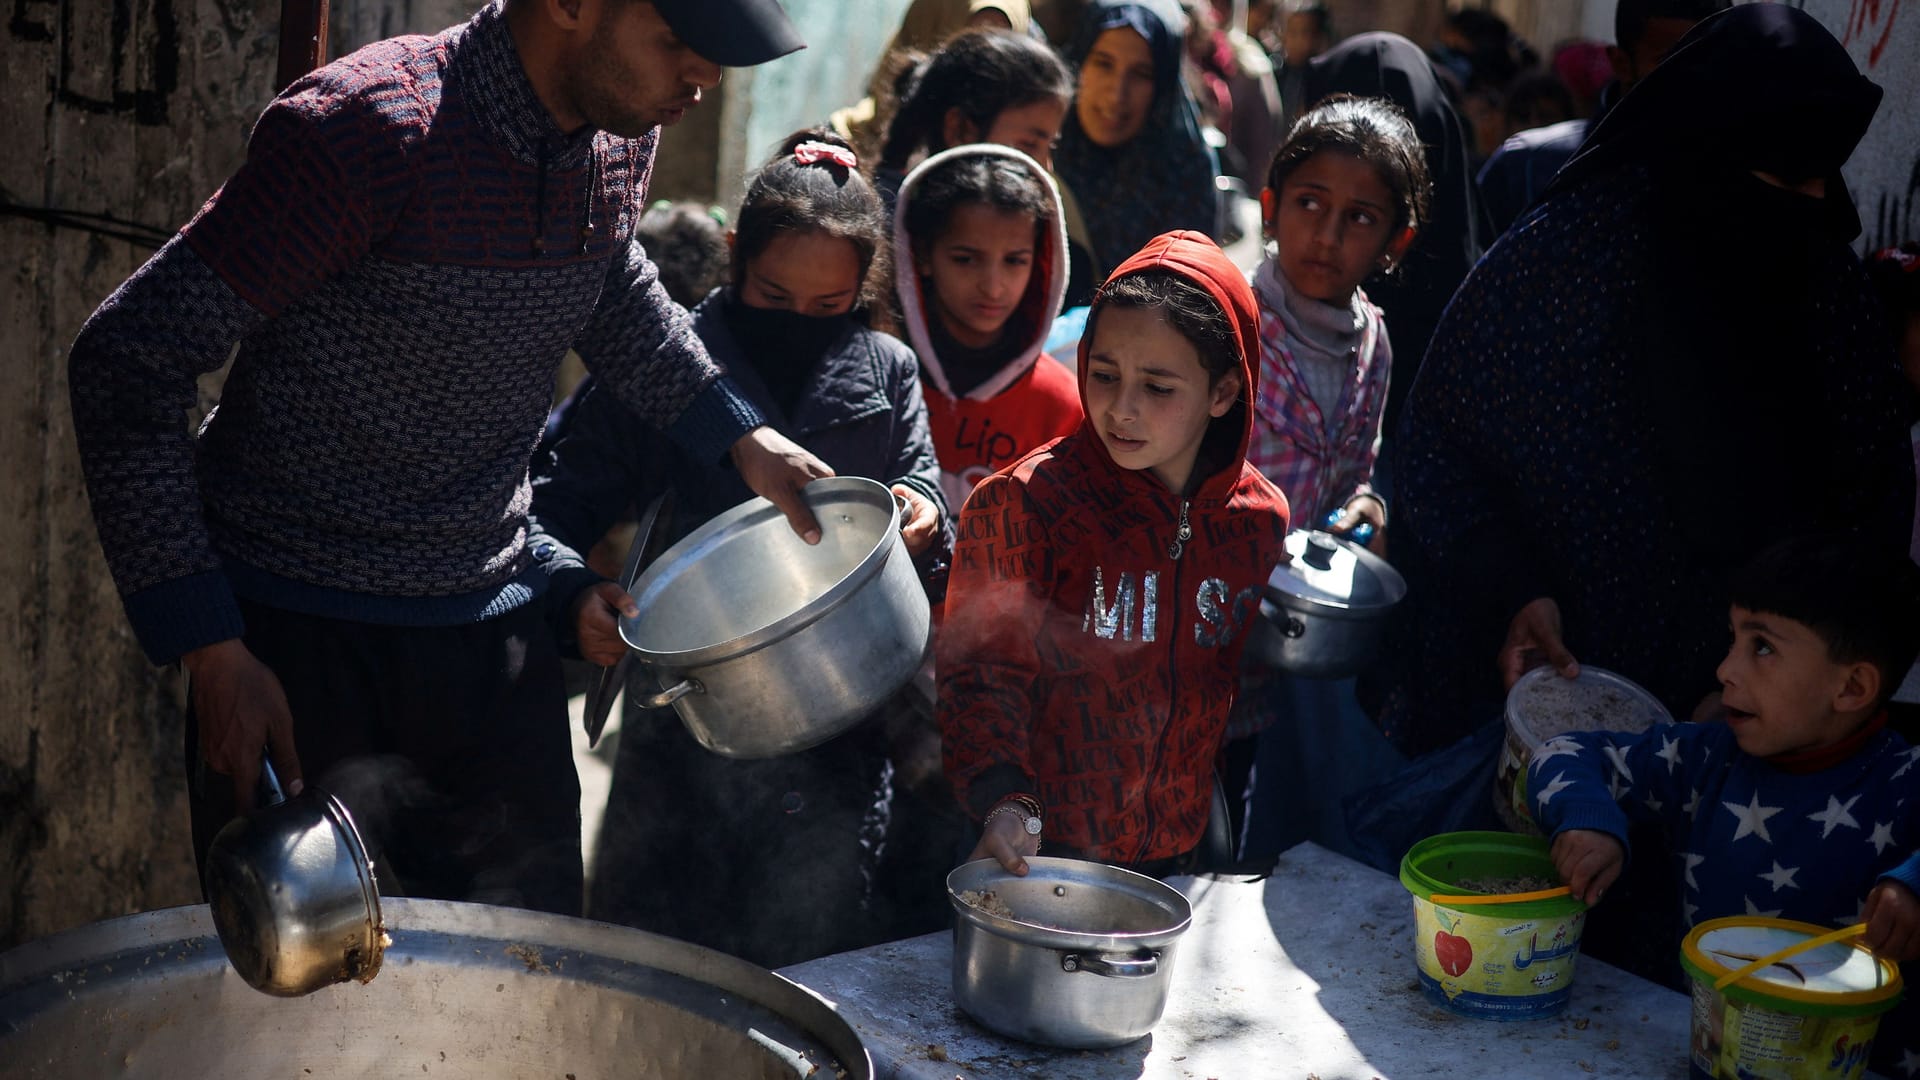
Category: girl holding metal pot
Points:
column 1102, row 584
column 781, row 859
column 1344, row 200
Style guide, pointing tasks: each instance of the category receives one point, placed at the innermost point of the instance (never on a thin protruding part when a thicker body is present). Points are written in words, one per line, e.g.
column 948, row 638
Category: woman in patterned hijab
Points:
column 1131, row 148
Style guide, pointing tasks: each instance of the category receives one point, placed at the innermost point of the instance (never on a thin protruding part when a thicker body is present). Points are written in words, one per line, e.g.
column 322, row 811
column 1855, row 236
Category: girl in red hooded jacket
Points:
column 1102, row 584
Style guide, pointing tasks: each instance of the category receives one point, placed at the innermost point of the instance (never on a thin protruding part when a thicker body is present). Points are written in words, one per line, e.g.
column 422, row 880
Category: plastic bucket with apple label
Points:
column 1510, row 961
column 1807, row 1017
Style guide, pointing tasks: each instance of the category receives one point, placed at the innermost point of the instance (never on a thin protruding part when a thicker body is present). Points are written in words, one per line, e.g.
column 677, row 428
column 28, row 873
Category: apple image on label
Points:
column 1453, row 952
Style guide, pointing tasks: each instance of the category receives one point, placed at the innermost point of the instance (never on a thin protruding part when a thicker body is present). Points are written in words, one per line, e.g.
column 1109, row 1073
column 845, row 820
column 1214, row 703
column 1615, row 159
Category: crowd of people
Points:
column 1582, row 344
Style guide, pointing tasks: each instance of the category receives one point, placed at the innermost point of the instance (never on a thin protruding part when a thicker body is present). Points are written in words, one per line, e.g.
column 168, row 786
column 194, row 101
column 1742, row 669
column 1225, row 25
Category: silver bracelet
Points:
column 1030, row 823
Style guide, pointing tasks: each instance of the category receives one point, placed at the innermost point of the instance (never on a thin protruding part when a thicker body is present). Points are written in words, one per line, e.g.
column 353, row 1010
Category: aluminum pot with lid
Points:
column 1325, row 612
column 767, row 645
column 1076, row 954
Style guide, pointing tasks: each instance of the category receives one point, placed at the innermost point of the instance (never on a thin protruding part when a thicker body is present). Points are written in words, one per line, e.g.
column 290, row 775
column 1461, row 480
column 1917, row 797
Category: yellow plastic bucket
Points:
column 1496, row 961
column 1809, row 1017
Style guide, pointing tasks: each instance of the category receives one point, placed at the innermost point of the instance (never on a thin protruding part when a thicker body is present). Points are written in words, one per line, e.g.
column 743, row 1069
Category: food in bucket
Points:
column 1556, row 706
column 1502, row 886
column 1543, row 706
column 1510, row 960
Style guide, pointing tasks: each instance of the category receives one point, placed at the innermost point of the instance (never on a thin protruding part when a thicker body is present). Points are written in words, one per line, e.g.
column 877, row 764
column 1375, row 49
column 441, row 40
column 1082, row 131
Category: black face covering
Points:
column 1735, row 289
column 783, row 346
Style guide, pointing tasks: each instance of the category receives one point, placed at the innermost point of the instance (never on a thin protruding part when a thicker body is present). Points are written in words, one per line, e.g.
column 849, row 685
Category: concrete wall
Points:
column 136, row 109
column 1883, row 36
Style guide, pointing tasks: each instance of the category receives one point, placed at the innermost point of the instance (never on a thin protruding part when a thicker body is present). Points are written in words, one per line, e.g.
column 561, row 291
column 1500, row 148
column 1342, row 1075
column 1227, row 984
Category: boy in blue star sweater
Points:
column 1802, row 804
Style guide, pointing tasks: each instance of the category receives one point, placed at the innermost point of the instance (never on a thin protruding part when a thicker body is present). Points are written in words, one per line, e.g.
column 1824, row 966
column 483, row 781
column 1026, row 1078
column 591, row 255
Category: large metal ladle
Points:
column 293, row 894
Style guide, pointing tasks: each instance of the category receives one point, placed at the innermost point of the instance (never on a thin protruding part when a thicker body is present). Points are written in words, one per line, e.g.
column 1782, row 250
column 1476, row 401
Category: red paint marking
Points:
column 1866, row 16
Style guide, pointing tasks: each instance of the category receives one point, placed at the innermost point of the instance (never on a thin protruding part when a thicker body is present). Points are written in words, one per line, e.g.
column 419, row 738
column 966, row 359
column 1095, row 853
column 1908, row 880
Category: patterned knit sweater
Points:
column 408, row 251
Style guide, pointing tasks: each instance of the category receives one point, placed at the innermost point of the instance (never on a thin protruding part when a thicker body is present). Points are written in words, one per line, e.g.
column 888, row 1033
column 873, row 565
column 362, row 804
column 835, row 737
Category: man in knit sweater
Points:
column 1802, row 804
column 419, row 233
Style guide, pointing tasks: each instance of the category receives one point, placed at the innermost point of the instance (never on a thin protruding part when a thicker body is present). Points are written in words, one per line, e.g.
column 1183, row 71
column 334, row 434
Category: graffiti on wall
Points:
column 131, row 73
column 1870, row 23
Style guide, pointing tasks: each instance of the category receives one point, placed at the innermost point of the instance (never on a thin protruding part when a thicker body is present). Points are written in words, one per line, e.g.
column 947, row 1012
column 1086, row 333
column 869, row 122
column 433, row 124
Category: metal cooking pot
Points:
column 767, row 645
column 470, row 991
column 1324, row 612
column 293, row 894
column 1084, row 962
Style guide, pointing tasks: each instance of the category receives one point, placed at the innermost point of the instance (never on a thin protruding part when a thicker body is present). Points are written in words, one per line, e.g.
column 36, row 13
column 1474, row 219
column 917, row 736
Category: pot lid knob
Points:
column 1319, row 552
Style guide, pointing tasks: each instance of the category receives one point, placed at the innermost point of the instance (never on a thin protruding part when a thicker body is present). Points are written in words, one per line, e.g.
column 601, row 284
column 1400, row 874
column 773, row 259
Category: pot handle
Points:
column 1113, row 967
column 673, row 693
column 1286, row 622
column 271, row 793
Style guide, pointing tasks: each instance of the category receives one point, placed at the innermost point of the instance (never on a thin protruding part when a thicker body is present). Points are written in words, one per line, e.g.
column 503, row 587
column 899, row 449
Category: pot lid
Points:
column 1333, row 572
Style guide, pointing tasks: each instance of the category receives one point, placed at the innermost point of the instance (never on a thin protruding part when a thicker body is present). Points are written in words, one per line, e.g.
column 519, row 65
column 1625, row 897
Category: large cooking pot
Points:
column 468, row 991
column 1325, row 612
column 1075, row 954
column 767, row 645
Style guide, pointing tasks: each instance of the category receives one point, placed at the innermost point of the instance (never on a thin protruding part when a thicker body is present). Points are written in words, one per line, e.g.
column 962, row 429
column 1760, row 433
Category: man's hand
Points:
column 596, row 622
column 919, row 521
column 1533, row 638
column 777, row 468
column 1588, row 861
column 1006, row 839
column 1892, row 916
column 240, row 708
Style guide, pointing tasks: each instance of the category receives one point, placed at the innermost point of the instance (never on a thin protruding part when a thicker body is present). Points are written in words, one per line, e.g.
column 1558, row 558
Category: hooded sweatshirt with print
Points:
column 1031, row 398
column 1095, row 619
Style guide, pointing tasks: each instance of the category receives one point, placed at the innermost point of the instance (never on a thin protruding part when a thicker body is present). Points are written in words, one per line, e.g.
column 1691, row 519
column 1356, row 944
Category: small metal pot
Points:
column 1325, row 612
column 766, row 645
column 293, row 895
column 1086, row 960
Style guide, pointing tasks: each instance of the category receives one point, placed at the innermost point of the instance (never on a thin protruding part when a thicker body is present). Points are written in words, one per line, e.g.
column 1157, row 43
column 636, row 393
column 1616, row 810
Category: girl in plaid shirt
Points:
column 1344, row 197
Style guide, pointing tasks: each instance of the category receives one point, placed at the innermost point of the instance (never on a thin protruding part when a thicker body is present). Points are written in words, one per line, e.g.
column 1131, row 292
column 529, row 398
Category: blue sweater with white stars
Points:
column 1751, row 837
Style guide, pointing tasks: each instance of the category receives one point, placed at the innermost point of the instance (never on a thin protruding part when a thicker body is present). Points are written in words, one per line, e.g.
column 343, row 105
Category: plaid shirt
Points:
column 1320, row 465
column 1317, row 465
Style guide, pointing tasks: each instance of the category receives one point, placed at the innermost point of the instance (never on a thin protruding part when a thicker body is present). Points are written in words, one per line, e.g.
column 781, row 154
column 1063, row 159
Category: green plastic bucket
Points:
column 1808, row 1017
column 1493, row 961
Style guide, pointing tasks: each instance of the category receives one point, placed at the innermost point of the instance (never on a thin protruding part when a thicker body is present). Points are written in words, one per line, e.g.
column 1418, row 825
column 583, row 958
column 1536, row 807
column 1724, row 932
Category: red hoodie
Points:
column 1086, row 657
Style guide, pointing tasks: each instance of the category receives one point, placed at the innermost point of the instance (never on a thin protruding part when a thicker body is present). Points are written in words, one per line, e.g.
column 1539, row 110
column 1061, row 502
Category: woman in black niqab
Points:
column 1739, row 256
column 1667, row 365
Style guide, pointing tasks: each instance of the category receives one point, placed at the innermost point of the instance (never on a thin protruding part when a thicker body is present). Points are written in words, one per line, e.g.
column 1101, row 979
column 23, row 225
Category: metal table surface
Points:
column 1306, row 974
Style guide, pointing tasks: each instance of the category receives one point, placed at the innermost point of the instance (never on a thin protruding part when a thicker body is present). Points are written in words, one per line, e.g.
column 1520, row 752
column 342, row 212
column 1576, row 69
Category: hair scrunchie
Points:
column 813, row 151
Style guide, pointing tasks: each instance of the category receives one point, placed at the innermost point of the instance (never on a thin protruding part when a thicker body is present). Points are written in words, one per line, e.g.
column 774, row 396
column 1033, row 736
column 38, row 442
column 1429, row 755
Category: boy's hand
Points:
column 1533, row 638
column 1006, row 839
column 1588, row 861
column 1892, row 916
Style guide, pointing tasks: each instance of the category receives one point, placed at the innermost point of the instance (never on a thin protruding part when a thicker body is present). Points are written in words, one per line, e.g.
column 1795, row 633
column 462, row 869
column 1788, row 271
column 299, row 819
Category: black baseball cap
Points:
column 732, row 33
